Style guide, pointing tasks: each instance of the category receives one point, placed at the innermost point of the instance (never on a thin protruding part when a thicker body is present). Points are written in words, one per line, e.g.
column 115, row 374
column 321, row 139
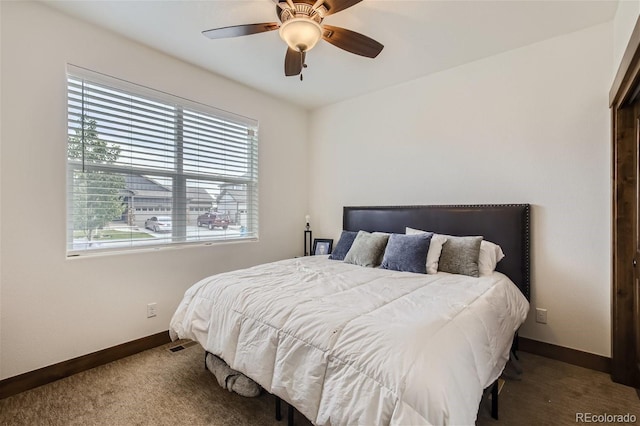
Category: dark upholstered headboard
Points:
column 507, row 225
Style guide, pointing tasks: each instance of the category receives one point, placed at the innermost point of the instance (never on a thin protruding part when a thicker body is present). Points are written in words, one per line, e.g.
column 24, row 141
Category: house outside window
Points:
column 139, row 158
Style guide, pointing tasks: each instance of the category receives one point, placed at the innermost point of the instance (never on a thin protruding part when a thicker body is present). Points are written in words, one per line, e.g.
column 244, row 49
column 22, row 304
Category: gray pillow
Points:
column 367, row 249
column 344, row 244
column 460, row 256
column 407, row 253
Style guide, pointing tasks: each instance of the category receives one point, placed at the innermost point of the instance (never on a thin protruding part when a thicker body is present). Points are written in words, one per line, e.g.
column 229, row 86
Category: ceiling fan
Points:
column 301, row 28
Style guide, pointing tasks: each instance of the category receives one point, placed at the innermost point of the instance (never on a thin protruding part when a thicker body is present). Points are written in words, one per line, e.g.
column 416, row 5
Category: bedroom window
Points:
column 148, row 169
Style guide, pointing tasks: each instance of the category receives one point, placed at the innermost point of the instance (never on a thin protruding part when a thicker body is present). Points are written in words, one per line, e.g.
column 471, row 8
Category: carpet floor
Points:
column 160, row 387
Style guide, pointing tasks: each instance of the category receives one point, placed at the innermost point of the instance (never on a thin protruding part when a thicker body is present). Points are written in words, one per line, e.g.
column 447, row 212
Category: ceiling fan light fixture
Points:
column 301, row 34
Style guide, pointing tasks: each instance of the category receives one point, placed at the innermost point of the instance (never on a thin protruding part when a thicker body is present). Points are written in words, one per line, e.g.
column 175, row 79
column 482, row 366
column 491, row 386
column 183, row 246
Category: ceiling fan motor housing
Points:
column 303, row 10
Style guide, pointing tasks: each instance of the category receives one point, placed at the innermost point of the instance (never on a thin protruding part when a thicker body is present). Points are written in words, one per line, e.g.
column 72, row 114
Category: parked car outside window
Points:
column 214, row 220
column 158, row 223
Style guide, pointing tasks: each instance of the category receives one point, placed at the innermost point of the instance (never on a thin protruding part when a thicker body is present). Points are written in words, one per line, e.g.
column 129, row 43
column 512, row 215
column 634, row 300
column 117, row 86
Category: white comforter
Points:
column 359, row 346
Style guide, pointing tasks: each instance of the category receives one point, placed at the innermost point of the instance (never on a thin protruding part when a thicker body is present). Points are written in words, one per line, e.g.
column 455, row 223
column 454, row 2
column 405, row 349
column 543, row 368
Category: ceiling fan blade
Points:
column 352, row 41
column 293, row 62
column 336, row 6
column 240, row 30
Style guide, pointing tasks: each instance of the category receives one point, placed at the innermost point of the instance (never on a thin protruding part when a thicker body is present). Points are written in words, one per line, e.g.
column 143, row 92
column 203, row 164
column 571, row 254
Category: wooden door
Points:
column 625, row 347
column 634, row 109
column 624, row 100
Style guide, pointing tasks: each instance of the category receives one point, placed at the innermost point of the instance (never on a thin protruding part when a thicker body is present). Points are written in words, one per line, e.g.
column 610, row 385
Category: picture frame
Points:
column 321, row 246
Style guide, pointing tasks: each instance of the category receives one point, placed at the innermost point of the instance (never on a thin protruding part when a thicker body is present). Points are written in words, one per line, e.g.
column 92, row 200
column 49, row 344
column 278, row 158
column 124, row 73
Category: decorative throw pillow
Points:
column 435, row 248
column 490, row 255
column 407, row 253
column 344, row 244
column 460, row 256
column 367, row 249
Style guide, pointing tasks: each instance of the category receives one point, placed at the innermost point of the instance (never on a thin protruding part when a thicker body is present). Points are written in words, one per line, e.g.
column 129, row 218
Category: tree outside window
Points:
column 97, row 195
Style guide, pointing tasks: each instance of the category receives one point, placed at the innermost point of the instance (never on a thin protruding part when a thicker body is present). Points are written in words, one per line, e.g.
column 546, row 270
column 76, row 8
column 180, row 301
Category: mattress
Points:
column 350, row 345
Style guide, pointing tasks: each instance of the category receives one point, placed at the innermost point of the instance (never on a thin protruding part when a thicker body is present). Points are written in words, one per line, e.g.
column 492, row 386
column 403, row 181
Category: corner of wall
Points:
column 624, row 22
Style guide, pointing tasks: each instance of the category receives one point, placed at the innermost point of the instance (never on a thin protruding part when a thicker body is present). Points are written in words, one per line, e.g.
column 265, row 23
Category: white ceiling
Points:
column 420, row 37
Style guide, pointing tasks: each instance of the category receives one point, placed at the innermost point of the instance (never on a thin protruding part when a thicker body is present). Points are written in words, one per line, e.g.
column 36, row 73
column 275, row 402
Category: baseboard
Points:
column 42, row 376
column 570, row 356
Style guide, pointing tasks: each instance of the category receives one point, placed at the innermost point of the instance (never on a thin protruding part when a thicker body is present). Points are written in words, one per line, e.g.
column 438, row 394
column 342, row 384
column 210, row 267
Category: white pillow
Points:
column 435, row 248
column 490, row 255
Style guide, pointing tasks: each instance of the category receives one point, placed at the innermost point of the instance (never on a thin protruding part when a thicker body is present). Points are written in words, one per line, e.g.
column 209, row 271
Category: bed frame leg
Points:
column 514, row 346
column 290, row 415
column 278, row 408
column 494, row 400
column 279, row 411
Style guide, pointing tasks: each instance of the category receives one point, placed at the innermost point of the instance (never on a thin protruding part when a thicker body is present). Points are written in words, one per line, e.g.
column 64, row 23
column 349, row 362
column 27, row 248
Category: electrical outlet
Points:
column 541, row 315
column 152, row 310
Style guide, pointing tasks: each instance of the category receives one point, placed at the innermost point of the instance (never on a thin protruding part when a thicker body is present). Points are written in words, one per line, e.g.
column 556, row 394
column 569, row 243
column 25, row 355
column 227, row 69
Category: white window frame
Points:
column 181, row 167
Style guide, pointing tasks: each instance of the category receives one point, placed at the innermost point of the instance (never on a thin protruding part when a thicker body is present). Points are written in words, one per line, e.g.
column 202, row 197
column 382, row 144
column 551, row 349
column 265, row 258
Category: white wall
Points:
column 53, row 309
column 623, row 24
column 527, row 126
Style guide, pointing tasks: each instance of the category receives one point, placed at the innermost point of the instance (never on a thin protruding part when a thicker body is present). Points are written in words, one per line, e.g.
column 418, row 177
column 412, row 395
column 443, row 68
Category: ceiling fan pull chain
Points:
column 302, row 64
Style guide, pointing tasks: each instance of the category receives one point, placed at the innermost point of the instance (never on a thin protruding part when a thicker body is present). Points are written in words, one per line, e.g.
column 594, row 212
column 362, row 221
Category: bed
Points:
column 348, row 344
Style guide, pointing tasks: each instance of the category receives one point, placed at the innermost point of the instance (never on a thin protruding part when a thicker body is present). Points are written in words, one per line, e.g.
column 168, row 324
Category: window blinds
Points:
column 146, row 168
